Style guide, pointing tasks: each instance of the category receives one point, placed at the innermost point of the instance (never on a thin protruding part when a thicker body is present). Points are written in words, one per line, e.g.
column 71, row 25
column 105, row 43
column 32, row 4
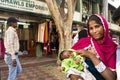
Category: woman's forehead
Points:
column 93, row 22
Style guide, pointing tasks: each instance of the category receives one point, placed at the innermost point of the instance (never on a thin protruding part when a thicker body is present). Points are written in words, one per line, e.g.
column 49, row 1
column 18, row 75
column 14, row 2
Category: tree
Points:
column 63, row 20
column 105, row 9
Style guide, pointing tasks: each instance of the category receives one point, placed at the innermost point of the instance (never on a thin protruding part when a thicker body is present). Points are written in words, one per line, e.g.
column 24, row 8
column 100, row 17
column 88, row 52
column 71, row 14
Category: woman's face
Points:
column 96, row 30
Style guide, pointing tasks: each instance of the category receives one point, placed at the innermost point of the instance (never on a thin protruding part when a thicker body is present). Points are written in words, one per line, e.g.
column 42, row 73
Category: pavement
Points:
column 44, row 68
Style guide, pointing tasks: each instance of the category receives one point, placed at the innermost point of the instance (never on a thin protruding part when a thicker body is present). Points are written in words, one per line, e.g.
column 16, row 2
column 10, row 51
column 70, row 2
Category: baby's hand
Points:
column 77, row 61
column 59, row 68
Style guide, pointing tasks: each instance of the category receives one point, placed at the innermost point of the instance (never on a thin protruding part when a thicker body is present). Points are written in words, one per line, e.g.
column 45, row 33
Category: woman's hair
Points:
column 94, row 18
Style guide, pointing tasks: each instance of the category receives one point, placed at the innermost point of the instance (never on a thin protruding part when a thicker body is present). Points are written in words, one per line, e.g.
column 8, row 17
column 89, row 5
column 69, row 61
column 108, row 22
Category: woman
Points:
column 99, row 49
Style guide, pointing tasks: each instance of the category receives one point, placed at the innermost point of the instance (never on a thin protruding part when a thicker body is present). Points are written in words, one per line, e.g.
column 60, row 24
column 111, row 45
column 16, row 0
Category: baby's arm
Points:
column 77, row 61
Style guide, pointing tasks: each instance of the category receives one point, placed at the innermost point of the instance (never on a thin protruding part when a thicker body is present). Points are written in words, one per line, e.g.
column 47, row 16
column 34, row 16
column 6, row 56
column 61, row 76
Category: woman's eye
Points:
column 90, row 28
column 97, row 26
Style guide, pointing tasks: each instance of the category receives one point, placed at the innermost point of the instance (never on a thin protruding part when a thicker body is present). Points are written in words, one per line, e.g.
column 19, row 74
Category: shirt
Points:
column 11, row 42
column 75, row 39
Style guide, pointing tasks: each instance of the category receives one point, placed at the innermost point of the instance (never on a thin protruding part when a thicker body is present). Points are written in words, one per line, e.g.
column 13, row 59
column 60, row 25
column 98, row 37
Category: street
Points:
column 47, row 71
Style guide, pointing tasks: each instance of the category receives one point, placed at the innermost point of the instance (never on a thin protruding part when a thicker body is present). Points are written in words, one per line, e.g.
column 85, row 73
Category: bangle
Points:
column 100, row 67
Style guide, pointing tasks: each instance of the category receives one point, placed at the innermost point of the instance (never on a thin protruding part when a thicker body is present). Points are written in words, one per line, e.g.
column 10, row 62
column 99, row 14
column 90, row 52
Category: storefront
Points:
column 34, row 28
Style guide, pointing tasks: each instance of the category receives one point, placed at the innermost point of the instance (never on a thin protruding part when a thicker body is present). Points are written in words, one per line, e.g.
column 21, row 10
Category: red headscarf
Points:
column 106, row 49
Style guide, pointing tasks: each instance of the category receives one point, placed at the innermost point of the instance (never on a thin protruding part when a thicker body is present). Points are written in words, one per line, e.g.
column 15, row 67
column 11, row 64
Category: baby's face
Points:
column 67, row 54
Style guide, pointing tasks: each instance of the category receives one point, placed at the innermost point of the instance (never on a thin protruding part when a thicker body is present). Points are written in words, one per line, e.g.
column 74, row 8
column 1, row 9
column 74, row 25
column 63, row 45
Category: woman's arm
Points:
column 107, row 73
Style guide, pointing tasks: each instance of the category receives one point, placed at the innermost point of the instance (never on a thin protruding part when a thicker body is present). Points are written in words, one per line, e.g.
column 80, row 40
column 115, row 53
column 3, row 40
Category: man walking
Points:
column 11, row 43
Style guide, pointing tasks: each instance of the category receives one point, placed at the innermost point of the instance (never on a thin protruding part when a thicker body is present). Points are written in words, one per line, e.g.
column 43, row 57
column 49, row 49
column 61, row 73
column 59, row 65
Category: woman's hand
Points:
column 107, row 73
column 85, row 53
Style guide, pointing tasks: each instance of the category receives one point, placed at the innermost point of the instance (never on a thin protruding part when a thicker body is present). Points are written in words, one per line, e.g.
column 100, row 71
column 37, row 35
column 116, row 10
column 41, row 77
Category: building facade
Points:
column 36, row 29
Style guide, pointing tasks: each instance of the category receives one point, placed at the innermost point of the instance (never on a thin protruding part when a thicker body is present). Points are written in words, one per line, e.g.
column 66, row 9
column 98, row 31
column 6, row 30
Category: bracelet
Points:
column 100, row 67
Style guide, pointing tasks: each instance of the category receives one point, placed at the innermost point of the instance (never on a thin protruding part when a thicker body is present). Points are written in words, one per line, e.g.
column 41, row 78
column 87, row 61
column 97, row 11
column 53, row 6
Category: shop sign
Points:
column 33, row 6
column 77, row 16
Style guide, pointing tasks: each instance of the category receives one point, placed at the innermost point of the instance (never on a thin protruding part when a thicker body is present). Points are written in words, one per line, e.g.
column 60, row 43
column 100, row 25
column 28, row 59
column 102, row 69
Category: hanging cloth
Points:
column 46, row 32
column 2, row 48
column 41, row 28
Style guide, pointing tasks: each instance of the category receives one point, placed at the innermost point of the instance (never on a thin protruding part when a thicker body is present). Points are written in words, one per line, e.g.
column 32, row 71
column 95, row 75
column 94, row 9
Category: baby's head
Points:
column 66, row 54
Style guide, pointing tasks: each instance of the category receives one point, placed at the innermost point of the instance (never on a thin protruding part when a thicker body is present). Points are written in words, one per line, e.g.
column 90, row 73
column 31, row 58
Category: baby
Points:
column 73, row 63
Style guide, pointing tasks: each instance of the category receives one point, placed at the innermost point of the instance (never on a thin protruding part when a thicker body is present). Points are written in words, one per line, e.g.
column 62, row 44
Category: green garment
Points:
column 70, row 63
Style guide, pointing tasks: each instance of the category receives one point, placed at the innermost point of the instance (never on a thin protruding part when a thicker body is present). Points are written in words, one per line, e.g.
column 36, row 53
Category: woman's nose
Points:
column 94, row 30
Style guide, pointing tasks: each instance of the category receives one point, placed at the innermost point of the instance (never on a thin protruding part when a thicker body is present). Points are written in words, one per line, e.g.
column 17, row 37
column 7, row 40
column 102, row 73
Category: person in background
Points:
column 80, row 34
column 116, row 18
column 98, row 48
column 11, row 43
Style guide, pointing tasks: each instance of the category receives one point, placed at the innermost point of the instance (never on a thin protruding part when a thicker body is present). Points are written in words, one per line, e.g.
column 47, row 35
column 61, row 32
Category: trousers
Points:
column 13, row 71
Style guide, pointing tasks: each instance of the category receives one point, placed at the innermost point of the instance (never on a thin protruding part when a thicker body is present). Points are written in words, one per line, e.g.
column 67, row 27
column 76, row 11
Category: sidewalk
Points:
column 43, row 68
column 28, row 61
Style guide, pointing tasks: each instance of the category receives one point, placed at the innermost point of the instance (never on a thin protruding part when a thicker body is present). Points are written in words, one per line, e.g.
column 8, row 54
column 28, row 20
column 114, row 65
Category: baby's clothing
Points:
column 70, row 67
column 70, row 63
column 85, row 74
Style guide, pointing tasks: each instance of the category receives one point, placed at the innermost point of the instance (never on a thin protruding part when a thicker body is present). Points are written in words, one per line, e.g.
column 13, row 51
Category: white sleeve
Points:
column 118, row 63
column 75, row 39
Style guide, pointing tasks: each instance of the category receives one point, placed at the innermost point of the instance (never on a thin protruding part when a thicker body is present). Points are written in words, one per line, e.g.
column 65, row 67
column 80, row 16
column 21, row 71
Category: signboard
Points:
column 77, row 16
column 33, row 6
column 115, row 3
